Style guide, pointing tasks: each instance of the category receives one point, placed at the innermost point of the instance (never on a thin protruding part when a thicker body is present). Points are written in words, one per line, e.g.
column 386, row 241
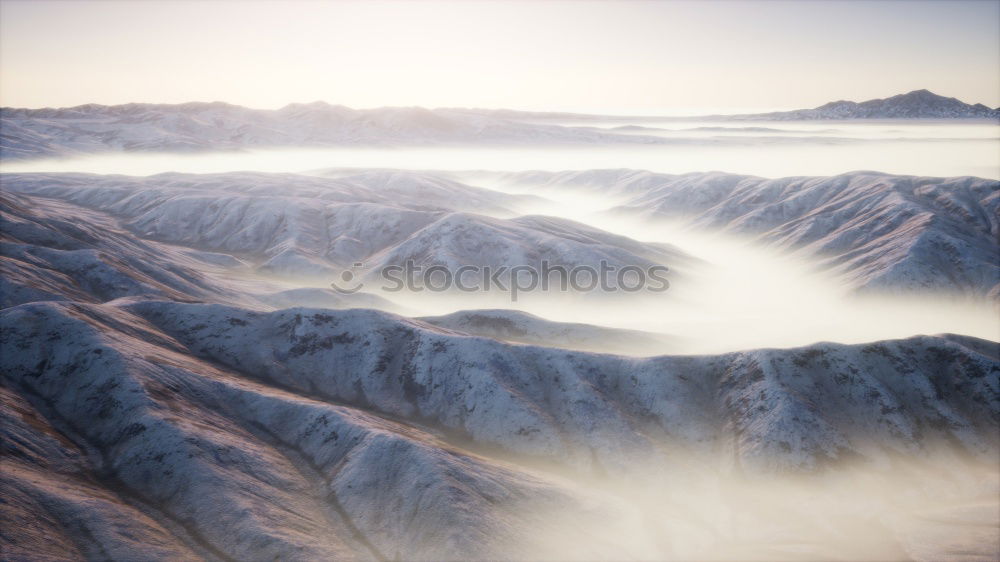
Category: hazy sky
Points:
column 617, row 56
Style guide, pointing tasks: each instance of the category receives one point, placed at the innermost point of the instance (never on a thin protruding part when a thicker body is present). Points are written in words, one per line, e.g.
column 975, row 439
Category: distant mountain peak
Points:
column 918, row 104
column 921, row 92
column 318, row 104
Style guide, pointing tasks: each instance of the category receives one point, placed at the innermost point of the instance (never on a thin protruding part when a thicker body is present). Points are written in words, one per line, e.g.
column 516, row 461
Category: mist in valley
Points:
column 686, row 444
column 769, row 149
column 700, row 507
column 733, row 293
column 270, row 328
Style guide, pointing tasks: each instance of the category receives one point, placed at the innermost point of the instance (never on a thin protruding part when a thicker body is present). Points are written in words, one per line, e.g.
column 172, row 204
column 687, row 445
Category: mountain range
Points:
column 139, row 429
column 878, row 232
column 196, row 126
column 160, row 400
column 311, row 227
column 178, row 381
column 918, row 104
column 191, row 127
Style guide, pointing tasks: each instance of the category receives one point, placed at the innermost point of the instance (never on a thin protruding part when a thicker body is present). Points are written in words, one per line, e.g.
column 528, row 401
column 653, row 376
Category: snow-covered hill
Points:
column 918, row 104
column 163, row 429
column 294, row 225
column 878, row 231
column 28, row 133
column 155, row 405
column 50, row 250
column 522, row 327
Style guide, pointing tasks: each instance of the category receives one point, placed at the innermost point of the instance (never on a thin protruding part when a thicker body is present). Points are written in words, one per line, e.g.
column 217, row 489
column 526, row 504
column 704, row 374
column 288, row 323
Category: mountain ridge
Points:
column 367, row 424
column 918, row 104
column 199, row 126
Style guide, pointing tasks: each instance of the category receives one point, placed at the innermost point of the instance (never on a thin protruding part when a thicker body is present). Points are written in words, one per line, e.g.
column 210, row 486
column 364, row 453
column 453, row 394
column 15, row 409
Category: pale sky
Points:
column 612, row 56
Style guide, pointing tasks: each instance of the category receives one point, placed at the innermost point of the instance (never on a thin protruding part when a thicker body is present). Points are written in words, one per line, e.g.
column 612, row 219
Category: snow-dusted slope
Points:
column 285, row 435
column 460, row 239
column 89, row 128
column 305, row 226
column 880, row 231
column 314, row 297
column 50, row 250
column 141, row 421
column 536, row 400
column 237, row 469
column 54, row 250
column 521, row 327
